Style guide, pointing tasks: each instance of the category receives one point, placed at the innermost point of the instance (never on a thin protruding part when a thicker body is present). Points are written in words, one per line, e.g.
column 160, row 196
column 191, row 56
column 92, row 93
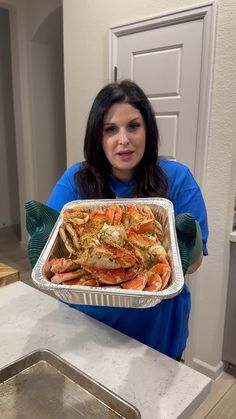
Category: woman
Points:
column 121, row 160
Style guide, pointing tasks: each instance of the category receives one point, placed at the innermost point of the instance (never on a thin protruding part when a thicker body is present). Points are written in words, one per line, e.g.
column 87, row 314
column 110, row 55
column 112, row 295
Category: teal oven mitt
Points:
column 189, row 237
column 40, row 220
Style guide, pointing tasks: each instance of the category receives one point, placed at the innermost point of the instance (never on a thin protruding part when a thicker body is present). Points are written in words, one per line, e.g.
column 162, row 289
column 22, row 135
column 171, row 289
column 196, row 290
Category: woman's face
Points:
column 124, row 138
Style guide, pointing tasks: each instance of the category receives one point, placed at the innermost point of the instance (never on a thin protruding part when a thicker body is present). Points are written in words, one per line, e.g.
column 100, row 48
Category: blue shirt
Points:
column 163, row 327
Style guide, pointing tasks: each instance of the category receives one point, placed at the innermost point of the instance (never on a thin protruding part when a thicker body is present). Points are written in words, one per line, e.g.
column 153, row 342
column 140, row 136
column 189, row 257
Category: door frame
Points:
column 206, row 12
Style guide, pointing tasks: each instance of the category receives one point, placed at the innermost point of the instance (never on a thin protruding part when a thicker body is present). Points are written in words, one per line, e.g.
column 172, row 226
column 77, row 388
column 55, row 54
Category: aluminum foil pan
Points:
column 107, row 296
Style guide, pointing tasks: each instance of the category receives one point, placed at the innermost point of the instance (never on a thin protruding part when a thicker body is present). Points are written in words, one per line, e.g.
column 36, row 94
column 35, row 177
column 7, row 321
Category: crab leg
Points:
column 138, row 283
column 69, row 246
column 79, row 215
column 139, row 239
column 63, row 265
column 163, row 269
column 90, row 282
column 154, row 283
column 113, row 276
column 61, row 277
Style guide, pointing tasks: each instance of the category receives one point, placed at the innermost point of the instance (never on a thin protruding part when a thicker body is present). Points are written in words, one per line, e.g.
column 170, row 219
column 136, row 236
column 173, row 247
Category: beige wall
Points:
column 37, row 12
column 86, row 53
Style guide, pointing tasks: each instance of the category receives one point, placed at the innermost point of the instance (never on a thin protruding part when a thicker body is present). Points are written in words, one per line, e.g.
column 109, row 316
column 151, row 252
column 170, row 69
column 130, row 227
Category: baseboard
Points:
column 211, row 371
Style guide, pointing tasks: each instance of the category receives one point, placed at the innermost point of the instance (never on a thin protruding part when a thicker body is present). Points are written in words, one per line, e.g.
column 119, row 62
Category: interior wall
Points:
column 86, row 39
column 48, row 110
column 9, row 203
column 37, row 12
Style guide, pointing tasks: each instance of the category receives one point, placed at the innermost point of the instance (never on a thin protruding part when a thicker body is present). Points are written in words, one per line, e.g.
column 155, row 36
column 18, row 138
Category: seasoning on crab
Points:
column 113, row 235
column 108, row 257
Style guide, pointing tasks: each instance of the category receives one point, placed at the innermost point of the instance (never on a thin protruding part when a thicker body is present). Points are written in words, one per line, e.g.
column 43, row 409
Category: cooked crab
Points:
column 113, row 246
column 110, row 215
column 76, row 215
column 147, row 247
column 113, row 235
column 159, row 275
column 113, row 276
column 133, row 278
column 141, row 219
column 66, row 276
column 107, row 257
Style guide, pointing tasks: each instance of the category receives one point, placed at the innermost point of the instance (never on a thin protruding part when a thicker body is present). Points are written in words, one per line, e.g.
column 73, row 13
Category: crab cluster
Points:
column 116, row 245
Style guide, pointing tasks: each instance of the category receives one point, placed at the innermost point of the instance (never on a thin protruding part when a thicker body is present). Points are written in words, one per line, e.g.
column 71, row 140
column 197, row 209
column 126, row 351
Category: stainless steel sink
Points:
column 42, row 385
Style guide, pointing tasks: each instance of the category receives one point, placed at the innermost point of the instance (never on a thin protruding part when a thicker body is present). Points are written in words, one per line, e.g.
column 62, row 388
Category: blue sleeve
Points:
column 187, row 198
column 65, row 190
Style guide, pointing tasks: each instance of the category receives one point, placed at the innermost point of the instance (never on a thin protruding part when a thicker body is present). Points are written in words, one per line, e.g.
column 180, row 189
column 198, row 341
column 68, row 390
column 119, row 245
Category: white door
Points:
column 166, row 63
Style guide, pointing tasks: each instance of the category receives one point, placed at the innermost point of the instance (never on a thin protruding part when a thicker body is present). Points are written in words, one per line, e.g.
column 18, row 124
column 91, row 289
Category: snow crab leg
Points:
column 159, row 275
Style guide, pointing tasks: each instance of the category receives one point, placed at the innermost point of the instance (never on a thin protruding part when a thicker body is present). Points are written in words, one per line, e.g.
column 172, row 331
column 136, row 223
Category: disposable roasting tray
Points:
column 42, row 385
column 108, row 296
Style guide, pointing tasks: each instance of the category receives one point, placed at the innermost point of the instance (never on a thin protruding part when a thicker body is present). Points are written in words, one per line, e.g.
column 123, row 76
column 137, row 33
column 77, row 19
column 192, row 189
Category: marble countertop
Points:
column 155, row 384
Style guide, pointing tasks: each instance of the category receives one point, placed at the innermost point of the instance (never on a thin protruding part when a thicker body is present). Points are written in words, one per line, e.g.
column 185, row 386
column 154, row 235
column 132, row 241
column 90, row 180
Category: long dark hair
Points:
column 92, row 179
